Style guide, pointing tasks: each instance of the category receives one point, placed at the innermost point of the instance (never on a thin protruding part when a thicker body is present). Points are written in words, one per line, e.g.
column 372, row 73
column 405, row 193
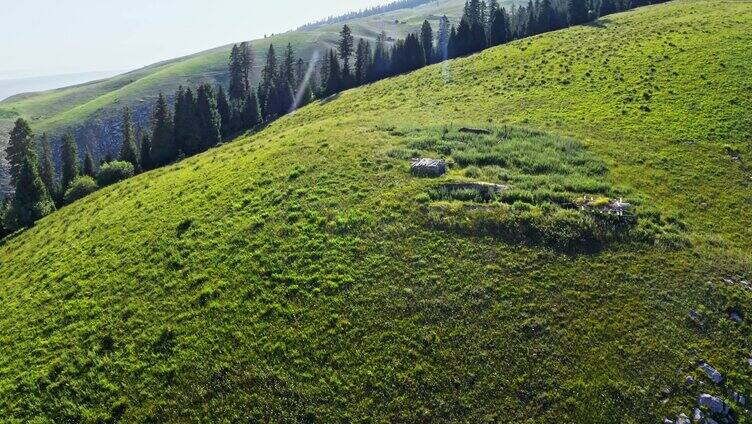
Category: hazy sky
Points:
column 42, row 37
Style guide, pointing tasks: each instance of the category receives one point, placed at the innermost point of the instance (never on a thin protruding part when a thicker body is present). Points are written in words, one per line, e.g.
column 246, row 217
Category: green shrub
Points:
column 79, row 188
column 113, row 172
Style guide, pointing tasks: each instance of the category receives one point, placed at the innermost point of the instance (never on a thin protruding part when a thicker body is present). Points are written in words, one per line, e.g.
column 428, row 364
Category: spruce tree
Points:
column 452, row 44
column 499, row 31
column 89, row 168
column 21, row 142
column 145, row 152
column 128, row 150
column 380, row 63
column 362, row 61
column 426, row 41
column 237, row 83
column 70, row 161
column 268, row 75
column 163, row 149
column 187, row 133
column 286, row 82
column 251, row 112
column 531, row 27
column 223, row 107
column 578, row 11
column 345, row 50
column 334, row 78
column 31, row 200
column 209, row 121
column 246, row 64
column 463, row 39
column 546, row 17
column 47, row 169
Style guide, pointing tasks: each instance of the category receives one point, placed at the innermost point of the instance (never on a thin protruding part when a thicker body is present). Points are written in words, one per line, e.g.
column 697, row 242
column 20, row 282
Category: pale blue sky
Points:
column 43, row 37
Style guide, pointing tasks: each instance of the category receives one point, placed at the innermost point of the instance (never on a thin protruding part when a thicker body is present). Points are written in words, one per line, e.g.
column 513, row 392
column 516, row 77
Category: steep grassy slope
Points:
column 294, row 275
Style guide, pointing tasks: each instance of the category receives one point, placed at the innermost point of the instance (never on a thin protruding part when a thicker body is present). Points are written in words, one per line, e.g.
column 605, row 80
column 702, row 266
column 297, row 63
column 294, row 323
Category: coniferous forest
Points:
column 202, row 117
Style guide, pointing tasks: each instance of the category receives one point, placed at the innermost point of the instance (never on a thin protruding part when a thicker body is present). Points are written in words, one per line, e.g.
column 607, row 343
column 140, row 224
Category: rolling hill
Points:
column 93, row 109
column 303, row 274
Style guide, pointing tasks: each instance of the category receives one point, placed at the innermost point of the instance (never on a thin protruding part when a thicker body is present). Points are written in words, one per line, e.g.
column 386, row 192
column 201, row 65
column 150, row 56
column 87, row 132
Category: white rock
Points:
column 697, row 416
column 682, row 419
column 716, row 405
column 735, row 317
column 689, row 380
column 712, row 373
column 740, row 399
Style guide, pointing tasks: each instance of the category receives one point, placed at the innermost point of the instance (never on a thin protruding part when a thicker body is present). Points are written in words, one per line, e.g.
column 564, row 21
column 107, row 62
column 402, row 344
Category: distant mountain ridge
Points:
column 11, row 87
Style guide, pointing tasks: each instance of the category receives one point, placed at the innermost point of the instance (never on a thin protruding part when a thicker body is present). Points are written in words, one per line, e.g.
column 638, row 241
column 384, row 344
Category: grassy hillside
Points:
column 58, row 110
column 303, row 274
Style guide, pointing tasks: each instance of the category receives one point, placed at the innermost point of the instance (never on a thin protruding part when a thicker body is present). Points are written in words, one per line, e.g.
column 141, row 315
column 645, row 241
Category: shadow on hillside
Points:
column 331, row 98
column 600, row 23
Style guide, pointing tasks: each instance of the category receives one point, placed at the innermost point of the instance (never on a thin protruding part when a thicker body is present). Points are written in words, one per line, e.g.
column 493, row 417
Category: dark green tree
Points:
column 251, row 112
column 380, row 62
column 187, row 133
column 21, row 142
column 225, row 113
column 47, row 169
column 531, row 27
column 163, row 149
column 362, row 61
column 237, row 73
column 578, row 11
column 426, row 41
column 31, row 200
column 128, row 150
column 145, row 152
column 499, row 30
column 70, row 161
column 546, row 17
column 246, row 63
column 345, row 50
column 209, row 121
column 268, row 78
column 608, row 7
column 89, row 168
column 285, row 83
column 334, row 77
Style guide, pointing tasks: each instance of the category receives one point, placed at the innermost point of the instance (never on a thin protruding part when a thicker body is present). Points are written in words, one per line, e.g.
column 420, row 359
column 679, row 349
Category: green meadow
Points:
column 302, row 274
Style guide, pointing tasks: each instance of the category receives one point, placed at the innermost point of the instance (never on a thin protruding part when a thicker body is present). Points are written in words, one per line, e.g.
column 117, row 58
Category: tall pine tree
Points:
column 163, row 149
column 47, row 169
column 145, row 152
column 237, row 74
column 31, row 200
column 345, row 50
column 70, row 161
column 225, row 113
column 209, row 121
column 187, row 134
column 21, row 143
column 128, row 150
column 578, row 11
column 362, row 61
column 426, row 41
column 499, row 30
column 89, row 168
